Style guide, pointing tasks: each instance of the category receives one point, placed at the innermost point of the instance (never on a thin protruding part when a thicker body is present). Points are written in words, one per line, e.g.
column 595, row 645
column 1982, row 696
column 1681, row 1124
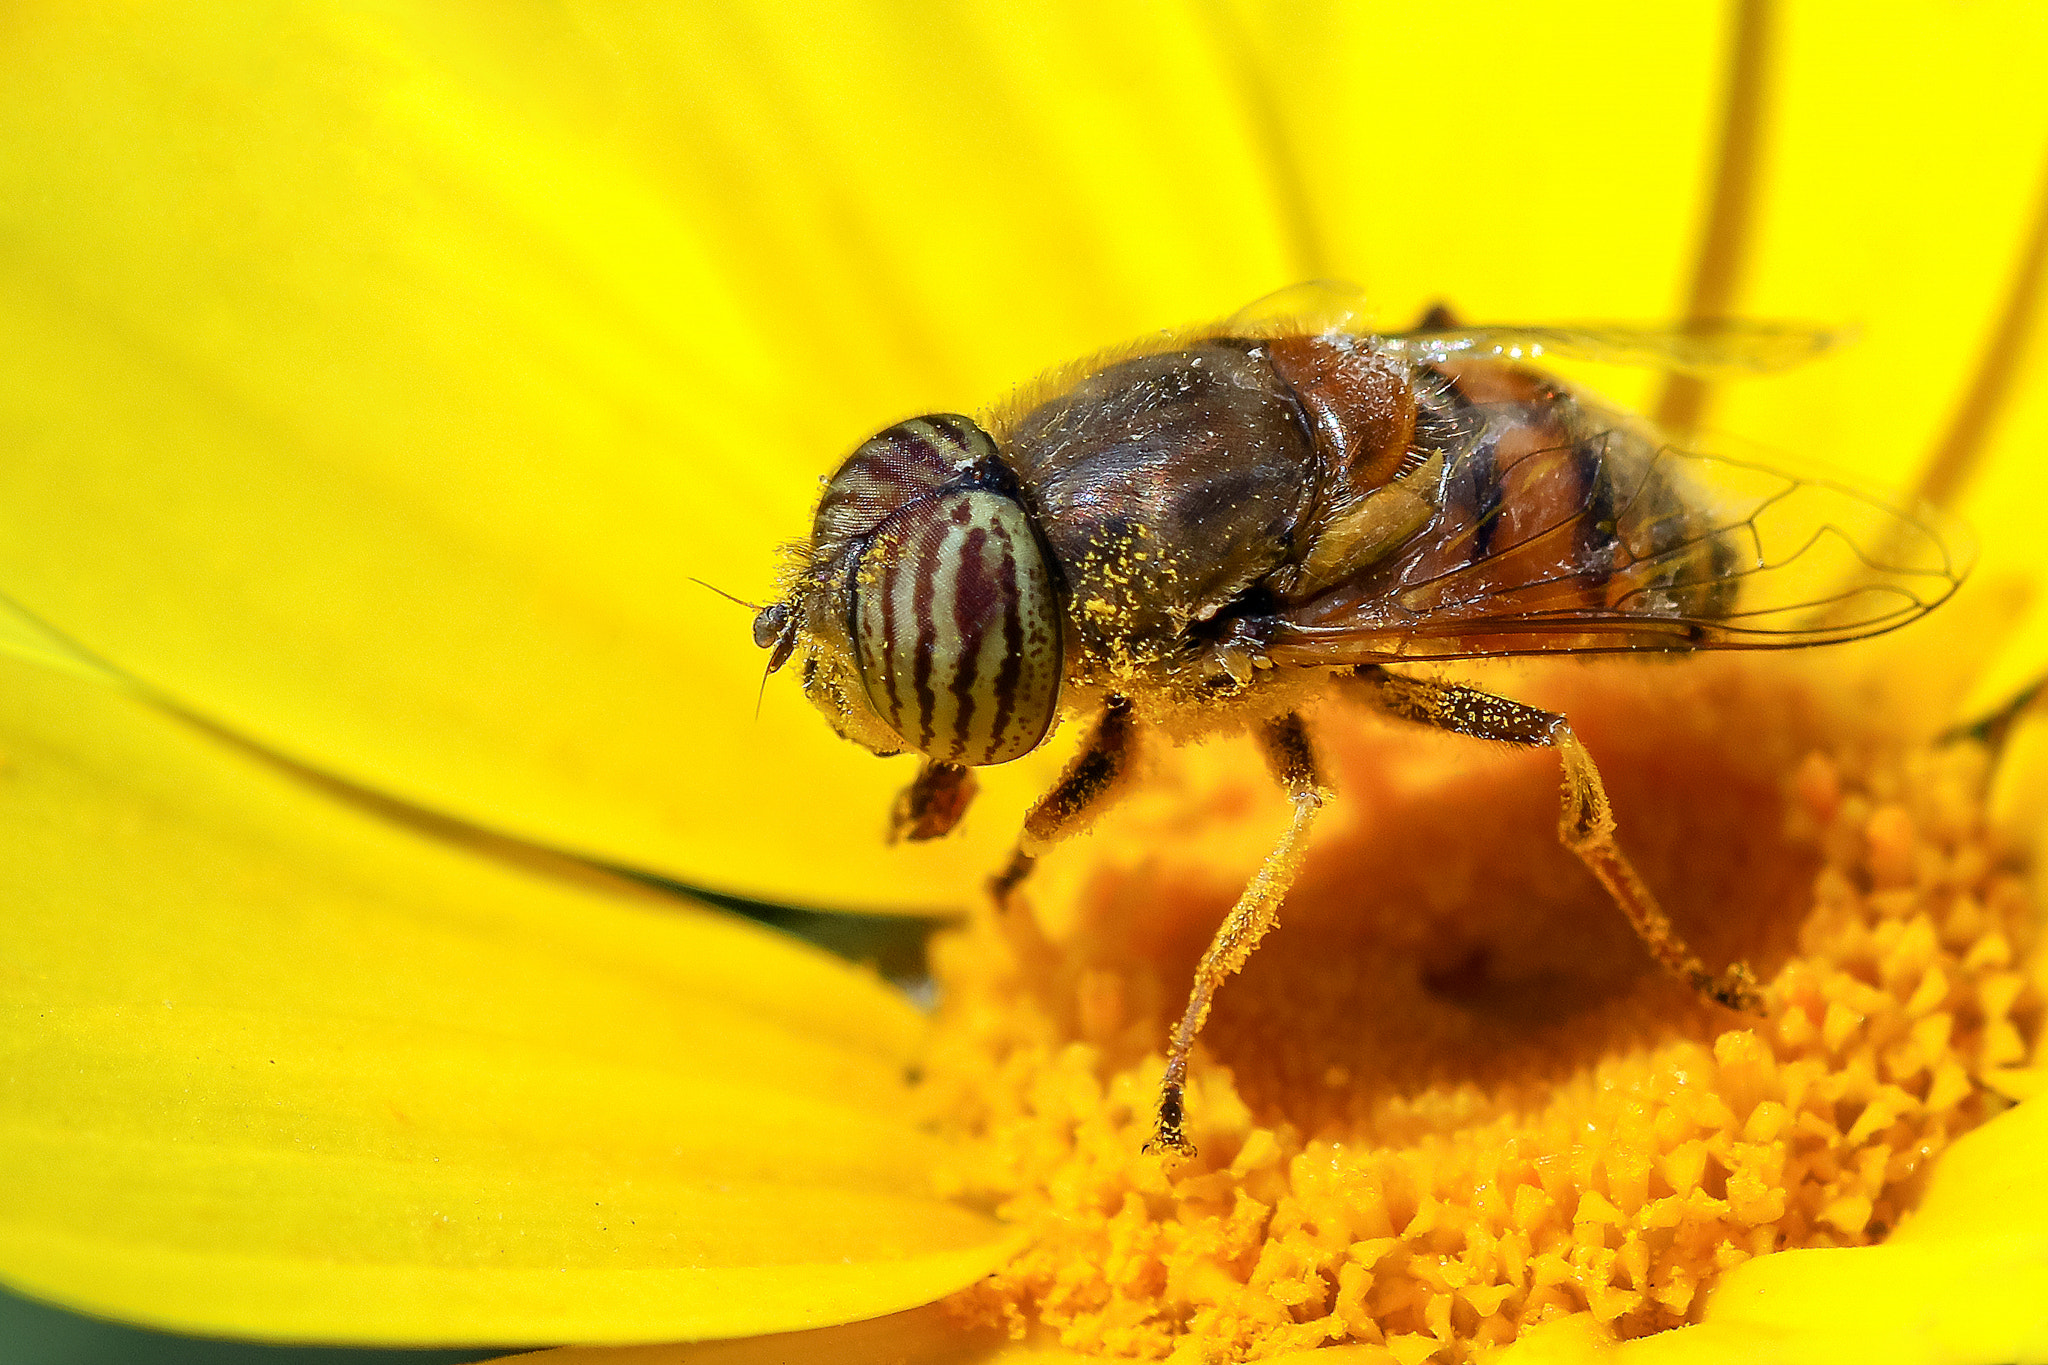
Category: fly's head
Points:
column 925, row 607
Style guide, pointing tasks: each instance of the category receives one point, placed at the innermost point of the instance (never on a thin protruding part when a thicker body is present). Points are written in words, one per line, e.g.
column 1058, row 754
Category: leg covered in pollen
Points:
column 1287, row 747
column 1083, row 791
column 1587, row 823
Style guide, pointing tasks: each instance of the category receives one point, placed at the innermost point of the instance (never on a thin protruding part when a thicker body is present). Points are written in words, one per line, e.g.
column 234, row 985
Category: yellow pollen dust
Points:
column 1452, row 1096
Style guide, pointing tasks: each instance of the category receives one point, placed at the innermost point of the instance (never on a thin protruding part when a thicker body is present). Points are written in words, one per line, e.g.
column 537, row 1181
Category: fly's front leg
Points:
column 933, row 803
column 1287, row 747
column 1587, row 824
column 1082, row 793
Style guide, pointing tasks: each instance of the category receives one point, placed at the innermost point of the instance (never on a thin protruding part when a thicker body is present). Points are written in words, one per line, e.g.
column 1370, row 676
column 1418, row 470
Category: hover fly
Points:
column 1208, row 529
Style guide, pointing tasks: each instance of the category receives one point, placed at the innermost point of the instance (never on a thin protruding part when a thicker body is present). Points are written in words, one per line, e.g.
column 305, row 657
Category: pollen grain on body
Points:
column 1452, row 1097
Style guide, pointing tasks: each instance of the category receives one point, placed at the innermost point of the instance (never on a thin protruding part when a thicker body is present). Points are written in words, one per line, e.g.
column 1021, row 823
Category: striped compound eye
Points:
column 955, row 630
column 955, row 623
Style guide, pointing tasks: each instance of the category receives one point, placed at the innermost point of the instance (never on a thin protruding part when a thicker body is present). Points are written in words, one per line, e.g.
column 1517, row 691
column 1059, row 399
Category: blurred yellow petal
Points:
column 2004, row 498
column 1902, row 178
column 376, row 379
column 926, row 1336
column 1516, row 168
column 272, row 1067
column 1900, row 212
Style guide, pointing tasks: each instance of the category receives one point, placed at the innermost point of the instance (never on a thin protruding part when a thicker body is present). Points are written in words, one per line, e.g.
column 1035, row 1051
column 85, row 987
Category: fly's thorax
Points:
column 1166, row 485
column 1375, row 485
column 927, row 608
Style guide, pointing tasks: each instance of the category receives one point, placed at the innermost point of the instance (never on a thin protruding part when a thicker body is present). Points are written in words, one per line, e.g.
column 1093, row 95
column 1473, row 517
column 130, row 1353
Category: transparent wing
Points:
column 1613, row 540
column 1718, row 350
column 1311, row 308
column 1722, row 350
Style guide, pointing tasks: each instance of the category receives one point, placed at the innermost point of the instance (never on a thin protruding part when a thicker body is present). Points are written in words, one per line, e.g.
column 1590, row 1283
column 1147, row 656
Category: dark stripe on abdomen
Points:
column 1486, row 498
column 1592, row 460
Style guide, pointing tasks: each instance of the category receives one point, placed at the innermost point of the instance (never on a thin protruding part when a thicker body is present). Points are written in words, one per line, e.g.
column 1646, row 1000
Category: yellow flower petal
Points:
column 1519, row 168
column 455, row 362
column 1922, row 263
column 270, row 1066
column 375, row 381
column 2004, row 505
column 925, row 1336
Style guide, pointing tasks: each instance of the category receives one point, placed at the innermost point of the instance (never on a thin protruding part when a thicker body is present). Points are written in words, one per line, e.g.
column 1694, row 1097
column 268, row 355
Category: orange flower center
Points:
column 1452, row 1096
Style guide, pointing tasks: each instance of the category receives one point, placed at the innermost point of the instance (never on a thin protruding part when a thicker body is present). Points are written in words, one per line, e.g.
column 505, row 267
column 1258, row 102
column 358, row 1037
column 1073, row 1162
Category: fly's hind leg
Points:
column 1084, row 790
column 1287, row 747
column 1587, row 823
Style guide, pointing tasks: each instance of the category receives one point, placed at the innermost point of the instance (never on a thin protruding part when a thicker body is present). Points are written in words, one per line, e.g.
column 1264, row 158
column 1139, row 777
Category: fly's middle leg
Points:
column 1287, row 747
column 1587, row 823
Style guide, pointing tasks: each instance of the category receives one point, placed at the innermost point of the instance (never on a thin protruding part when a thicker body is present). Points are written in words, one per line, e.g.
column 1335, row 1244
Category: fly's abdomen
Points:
column 1552, row 504
column 1519, row 506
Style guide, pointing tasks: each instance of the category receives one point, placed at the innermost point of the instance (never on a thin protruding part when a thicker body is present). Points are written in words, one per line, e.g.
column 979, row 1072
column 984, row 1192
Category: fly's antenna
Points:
column 750, row 606
column 772, row 631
